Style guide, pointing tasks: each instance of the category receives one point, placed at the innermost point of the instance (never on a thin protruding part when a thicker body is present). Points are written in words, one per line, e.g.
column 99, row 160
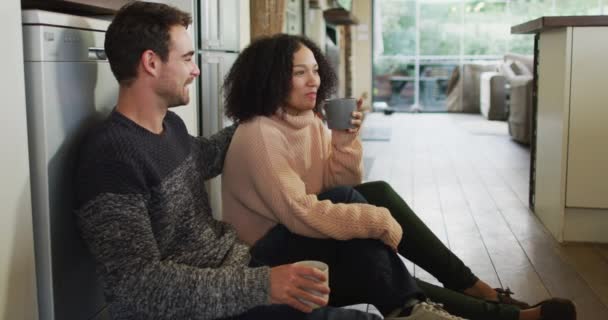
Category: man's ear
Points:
column 150, row 63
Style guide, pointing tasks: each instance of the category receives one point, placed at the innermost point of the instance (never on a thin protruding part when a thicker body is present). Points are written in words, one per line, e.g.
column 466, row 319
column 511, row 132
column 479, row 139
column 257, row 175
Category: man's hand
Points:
column 288, row 282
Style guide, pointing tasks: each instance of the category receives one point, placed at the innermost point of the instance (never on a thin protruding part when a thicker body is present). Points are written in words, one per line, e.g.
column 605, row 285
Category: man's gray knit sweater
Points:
column 145, row 216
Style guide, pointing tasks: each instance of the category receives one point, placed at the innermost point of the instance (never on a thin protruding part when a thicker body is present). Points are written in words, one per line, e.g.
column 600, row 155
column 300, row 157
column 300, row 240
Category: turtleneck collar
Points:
column 302, row 120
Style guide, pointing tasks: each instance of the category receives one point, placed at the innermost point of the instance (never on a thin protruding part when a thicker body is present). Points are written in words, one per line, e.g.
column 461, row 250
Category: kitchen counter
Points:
column 569, row 157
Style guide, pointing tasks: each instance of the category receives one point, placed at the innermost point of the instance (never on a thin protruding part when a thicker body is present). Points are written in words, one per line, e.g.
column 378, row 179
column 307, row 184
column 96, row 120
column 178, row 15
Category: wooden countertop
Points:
column 544, row 23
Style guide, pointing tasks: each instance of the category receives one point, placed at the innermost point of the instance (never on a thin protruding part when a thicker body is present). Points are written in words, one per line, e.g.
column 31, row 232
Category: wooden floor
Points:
column 468, row 181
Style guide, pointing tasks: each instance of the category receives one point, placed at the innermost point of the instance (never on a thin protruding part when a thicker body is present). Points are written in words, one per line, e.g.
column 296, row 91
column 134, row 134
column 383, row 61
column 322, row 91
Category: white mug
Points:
column 323, row 267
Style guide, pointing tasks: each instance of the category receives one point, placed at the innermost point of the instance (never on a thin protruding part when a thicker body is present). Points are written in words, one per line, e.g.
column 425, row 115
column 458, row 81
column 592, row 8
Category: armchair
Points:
column 520, row 80
column 493, row 96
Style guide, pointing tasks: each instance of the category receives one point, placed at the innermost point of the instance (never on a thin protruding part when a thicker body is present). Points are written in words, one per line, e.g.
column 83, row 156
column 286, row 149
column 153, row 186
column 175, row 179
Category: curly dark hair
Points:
column 260, row 79
column 137, row 27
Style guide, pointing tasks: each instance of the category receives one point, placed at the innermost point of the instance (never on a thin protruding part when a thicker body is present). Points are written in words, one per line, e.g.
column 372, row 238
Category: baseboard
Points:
column 586, row 225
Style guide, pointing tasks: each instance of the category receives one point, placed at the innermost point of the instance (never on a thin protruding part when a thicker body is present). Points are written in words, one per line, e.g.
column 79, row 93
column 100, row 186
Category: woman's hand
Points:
column 357, row 118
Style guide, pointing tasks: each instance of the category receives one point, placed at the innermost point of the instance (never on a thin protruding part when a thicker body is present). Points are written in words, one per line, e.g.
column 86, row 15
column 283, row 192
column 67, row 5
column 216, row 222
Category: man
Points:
column 142, row 207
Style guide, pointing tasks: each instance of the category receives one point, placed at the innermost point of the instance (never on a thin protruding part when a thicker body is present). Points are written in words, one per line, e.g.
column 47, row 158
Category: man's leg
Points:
column 419, row 243
column 330, row 313
column 342, row 194
column 284, row 312
column 360, row 270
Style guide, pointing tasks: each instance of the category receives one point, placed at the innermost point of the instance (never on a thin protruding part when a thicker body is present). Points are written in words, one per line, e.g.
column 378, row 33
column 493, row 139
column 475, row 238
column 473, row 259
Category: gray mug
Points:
column 338, row 112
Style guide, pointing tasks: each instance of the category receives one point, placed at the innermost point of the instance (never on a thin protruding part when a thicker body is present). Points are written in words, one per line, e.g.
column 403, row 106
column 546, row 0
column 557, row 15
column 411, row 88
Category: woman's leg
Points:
column 476, row 309
column 456, row 303
column 422, row 247
column 419, row 243
column 466, row 306
column 440, row 262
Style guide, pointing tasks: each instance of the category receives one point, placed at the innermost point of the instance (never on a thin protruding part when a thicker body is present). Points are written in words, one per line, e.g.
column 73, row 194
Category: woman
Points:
column 284, row 171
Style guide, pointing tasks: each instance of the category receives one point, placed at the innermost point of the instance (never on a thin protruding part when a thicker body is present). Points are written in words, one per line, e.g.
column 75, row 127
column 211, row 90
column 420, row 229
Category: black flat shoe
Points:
column 504, row 297
column 557, row 309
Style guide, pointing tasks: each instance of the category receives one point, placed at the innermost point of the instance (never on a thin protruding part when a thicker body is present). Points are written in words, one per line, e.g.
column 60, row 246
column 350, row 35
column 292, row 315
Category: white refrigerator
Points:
column 69, row 87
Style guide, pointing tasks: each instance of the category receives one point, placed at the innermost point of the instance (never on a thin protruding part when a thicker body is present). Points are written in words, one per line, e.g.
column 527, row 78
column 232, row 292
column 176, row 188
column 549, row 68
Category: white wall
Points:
column 17, row 273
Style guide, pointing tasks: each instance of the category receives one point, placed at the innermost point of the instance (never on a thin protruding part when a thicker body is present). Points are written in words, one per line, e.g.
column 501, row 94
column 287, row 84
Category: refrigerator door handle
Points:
column 220, row 94
column 208, row 41
column 210, row 84
column 97, row 53
column 220, row 15
column 204, row 17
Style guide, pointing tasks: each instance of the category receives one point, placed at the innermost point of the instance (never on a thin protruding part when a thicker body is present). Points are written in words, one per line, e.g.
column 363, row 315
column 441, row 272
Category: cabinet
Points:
column 220, row 40
column 293, row 17
column 218, row 29
column 587, row 175
column 214, row 67
column 570, row 167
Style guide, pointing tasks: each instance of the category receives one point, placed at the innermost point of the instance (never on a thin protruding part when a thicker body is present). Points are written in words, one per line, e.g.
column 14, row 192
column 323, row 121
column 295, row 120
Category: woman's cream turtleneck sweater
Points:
column 275, row 167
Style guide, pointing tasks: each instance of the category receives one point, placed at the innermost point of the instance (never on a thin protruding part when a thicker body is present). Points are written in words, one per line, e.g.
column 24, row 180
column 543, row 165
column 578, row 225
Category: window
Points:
column 482, row 21
column 440, row 24
column 423, row 41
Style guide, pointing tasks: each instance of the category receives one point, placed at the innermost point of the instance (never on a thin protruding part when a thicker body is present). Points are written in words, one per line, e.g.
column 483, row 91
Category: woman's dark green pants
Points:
column 422, row 247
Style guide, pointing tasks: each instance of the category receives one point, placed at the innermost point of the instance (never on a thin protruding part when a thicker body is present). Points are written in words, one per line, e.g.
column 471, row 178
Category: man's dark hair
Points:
column 137, row 27
column 260, row 79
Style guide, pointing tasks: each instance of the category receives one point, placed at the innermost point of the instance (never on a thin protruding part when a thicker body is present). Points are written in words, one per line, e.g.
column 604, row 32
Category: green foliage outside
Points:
column 398, row 27
column 451, row 31
column 483, row 24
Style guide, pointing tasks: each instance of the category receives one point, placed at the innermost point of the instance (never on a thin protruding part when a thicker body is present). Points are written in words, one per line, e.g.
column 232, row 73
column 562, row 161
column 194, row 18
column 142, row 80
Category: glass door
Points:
column 423, row 42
